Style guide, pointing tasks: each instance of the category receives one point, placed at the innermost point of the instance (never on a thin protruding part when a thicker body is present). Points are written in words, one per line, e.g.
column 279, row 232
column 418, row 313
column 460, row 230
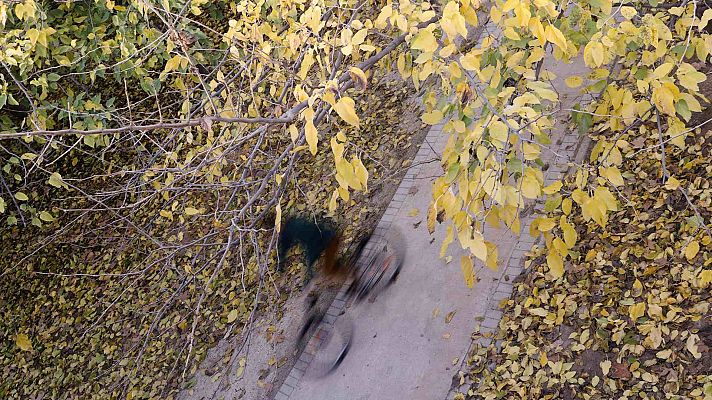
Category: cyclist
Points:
column 316, row 237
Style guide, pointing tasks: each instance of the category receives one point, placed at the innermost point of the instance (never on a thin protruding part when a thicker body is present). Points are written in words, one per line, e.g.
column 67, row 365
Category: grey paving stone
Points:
column 291, row 381
column 300, row 366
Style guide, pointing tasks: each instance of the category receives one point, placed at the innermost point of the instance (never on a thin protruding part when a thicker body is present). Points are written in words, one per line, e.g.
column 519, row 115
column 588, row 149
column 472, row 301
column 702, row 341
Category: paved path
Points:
column 403, row 347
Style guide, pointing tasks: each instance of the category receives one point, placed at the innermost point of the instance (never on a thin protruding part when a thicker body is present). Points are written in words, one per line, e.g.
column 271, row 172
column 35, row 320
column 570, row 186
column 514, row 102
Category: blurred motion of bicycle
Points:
column 365, row 272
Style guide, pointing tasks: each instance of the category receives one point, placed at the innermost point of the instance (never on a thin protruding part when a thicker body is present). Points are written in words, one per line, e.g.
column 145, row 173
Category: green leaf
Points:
column 21, row 196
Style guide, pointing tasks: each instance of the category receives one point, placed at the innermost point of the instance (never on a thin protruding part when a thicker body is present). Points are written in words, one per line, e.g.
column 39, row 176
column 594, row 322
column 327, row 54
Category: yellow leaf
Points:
column 596, row 210
column 593, row 54
column 573, row 81
column 478, row 247
column 338, row 149
column 544, row 224
column 603, row 194
column 498, row 130
column 432, row 117
column 705, row 277
column 492, row 256
column 359, row 37
column 692, row 249
column 470, row 61
column 554, row 35
column 346, row 176
column 346, row 108
column 191, row 211
column 23, row 342
column 537, row 29
column 425, row 41
column 553, row 188
column 359, row 77
column 612, row 174
column 232, row 316
column 333, row 201
column 172, row 64
column 555, row 263
column 706, row 17
column 33, row 34
column 628, row 12
column 664, row 99
column 310, row 131
column 636, row 311
column 663, row 70
column 511, row 34
column 21, row 196
column 307, row 63
column 689, row 77
column 293, row 133
column 278, row 218
column 531, row 151
column 566, row 206
column 531, row 188
column 360, row 171
column 432, row 217
column 468, row 272
column 605, row 366
column 241, row 367
column 672, row 183
column 543, row 360
column 449, row 237
column 570, row 235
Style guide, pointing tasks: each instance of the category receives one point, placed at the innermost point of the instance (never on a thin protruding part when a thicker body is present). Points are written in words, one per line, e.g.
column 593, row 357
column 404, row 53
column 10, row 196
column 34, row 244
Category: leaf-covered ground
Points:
column 631, row 318
column 127, row 334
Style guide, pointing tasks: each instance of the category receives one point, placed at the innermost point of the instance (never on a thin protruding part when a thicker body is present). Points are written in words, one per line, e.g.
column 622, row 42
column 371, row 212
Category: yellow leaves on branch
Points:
column 532, row 182
column 664, row 97
column 689, row 77
column 346, row 108
column 594, row 54
column 452, row 22
column 597, row 206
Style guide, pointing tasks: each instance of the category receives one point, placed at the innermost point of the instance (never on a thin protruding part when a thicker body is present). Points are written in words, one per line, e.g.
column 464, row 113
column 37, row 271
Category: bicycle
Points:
column 375, row 273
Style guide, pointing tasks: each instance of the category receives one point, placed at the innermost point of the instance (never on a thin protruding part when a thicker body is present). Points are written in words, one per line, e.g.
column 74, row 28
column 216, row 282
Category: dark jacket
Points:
column 314, row 237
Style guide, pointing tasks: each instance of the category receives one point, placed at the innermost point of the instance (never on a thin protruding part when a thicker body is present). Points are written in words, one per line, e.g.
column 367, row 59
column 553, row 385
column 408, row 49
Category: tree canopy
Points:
column 127, row 122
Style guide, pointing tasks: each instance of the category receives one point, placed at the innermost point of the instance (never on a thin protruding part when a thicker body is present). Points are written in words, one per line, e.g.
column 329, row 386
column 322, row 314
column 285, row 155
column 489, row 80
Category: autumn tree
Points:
column 172, row 128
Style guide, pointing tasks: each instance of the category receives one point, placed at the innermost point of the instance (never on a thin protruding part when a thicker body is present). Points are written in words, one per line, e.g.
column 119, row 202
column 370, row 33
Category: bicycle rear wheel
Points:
column 329, row 345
